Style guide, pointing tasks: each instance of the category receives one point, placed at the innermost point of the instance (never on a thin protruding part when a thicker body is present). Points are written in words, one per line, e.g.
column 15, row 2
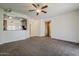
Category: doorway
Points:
column 47, row 29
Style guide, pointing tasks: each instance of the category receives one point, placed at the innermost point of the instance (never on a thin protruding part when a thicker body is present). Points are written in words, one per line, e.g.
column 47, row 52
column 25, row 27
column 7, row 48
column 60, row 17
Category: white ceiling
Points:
column 53, row 9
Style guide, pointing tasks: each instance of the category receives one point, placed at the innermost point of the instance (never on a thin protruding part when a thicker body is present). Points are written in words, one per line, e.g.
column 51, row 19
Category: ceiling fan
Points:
column 38, row 9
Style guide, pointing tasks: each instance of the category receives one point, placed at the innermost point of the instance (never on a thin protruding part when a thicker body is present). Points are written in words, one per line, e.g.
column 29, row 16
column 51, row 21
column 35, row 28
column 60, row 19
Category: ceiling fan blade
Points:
column 43, row 11
column 38, row 5
column 44, row 7
column 37, row 14
column 31, row 10
column 34, row 5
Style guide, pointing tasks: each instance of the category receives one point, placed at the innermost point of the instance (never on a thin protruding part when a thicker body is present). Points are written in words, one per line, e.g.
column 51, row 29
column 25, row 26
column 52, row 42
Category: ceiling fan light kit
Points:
column 38, row 9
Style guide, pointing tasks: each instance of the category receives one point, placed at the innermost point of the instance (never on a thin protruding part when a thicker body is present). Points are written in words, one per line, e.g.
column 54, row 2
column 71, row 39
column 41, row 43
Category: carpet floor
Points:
column 40, row 46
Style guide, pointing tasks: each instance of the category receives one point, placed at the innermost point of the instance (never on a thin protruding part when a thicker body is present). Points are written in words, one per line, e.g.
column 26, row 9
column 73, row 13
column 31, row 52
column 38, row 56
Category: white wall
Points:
column 34, row 27
column 1, row 25
column 66, row 27
column 9, row 36
column 63, row 27
column 42, row 27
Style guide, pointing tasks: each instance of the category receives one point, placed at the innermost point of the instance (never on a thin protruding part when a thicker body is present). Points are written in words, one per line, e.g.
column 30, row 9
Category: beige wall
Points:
column 34, row 27
column 66, row 27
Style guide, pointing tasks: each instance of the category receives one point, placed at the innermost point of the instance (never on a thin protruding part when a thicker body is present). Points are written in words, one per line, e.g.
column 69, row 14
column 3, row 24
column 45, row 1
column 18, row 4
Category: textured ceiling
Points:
column 53, row 9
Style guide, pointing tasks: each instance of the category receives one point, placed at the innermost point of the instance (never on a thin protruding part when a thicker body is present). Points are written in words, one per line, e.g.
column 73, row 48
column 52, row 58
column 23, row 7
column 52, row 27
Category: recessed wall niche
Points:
column 14, row 23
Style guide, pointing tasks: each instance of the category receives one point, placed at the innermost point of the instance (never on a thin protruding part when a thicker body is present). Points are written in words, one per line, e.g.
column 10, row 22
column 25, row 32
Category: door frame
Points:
column 47, row 28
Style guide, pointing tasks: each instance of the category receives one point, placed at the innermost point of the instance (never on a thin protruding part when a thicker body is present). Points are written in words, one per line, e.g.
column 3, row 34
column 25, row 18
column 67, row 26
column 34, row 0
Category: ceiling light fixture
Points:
column 10, row 17
column 38, row 8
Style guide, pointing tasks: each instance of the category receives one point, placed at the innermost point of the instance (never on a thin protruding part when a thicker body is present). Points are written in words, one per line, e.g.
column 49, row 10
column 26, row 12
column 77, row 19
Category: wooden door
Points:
column 47, row 28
